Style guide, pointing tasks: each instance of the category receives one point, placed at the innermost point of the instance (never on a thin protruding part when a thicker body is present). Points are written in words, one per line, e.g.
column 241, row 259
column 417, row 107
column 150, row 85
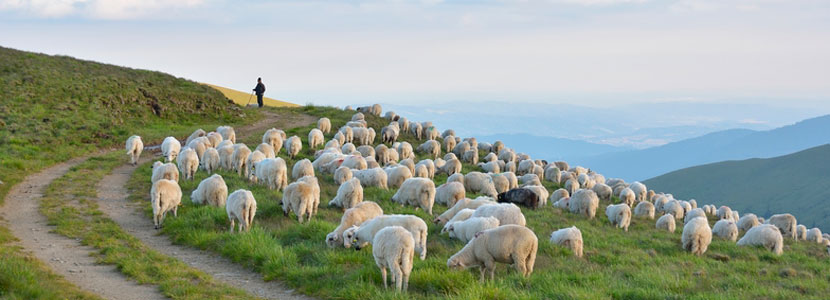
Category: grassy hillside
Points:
column 643, row 263
column 243, row 98
column 797, row 183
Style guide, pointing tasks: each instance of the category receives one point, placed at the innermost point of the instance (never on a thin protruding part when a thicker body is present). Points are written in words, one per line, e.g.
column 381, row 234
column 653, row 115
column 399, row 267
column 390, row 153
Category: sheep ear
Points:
column 479, row 233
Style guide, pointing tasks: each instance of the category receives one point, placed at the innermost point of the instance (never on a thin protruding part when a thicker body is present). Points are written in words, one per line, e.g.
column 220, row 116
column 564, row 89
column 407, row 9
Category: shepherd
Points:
column 260, row 90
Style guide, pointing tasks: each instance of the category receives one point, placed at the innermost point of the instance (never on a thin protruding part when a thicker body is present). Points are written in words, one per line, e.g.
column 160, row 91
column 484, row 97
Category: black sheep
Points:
column 520, row 196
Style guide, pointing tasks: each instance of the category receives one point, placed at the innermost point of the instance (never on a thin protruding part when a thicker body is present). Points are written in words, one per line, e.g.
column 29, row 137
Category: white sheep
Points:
column 497, row 146
column 477, row 182
column 619, row 215
column 500, row 182
column 415, row 191
column 465, row 230
column 167, row 171
column 267, row 150
column 507, row 213
column 584, row 202
column 188, row 163
column 227, row 133
column 241, row 206
column 429, row 165
column 644, row 209
column 460, row 216
column 765, row 235
column 639, row 190
column 452, row 166
column 724, row 212
column 666, row 222
column 210, row 160
column 199, row 145
column 697, row 212
column 211, row 191
column 559, row 194
column 292, row 146
column 371, row 177
column 394, row 248
column 342, row 174
column 530, row 179
column 134, row 146
column 348, row 134
column 273, row 172
column 449, row 193
column 215, row 139
column 603, row 191
column 509, row 244
column 449, row 143
column 814, row 235
column 748, row 221
column 354, row 216
column 298, row 197
column 315, row 138
column 786, row 223
column 250, row 164
column 226, row 157
column 165, row 196
column 361, row 236
column 349, row 194
column 366, row 151
column 675, row 208
column 324, row 124
column 572, row 186
column 315, row 192
column 170, row 148
column 801, row 232
column 196, row 134
column 563, row 203
column 460, row 205
column 696, row 236
column 396, row 175
column 726, row 229
column 471, row 157
column 540, row 191
column 628, row 196
column 239, row 158
column 302, row 168
column 570, row 237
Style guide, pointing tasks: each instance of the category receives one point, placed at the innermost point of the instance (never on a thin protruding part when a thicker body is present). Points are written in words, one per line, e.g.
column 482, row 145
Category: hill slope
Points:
column 243, row 98
column 719, row 146
column 797, row 183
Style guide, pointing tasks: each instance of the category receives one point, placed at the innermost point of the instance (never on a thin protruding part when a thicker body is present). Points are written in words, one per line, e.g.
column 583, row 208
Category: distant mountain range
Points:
column 797, row 183
column 551, row 148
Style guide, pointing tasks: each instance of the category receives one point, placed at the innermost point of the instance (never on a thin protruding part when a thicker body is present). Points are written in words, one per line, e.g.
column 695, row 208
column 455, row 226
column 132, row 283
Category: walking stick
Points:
column 249, row 99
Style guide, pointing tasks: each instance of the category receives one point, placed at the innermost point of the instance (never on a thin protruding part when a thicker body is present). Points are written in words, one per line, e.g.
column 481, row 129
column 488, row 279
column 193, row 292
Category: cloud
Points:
column 96, row 9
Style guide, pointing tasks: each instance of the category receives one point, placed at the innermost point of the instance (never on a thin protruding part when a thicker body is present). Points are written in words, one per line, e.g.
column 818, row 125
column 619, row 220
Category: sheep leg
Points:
column 519, row 263
column 490, row 265
column 156, row 221
column 383, row 276
column 481, row 270
column 232, row 225
column 175, row 211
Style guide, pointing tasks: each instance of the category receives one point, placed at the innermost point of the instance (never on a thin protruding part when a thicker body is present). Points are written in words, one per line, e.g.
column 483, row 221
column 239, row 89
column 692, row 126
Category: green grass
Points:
column 643, row 263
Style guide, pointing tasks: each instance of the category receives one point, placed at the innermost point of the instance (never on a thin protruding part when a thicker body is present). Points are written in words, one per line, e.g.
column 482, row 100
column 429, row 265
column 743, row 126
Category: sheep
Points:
column 431, row 133
column 563, row 203
column 449, row 144
column 462, row 215
column 619, row 215
column 359, row 115
column 471, row 157
column 525, row 166
column 520, row 196
column 507, row 155
column 342, row 174
column 497, row 147
column 735, row 216
column 226, row 157
column 530, row 179
column 477, row 182
column 239, row 158
column 431, row 147
column 675, row 208
column 293, row 145
column 697, row 212
column 510, row 244
column 355, row 162
column 666, row 222
column 559, row 194
column 391, row 156
column 786, row 223
column 462, row 204
column 696, row 236
column 748, row 221
column 692, row 202
column 361, row 236
column 628, row 196
column 348, row 134
column 134, row 146
column 371, row 177
column 416, row 130
column 250, row 164
column 298, row 197
column 198, row 145
column 324, row 124
column 584, row 202
column 801, row 232
column 266, row 149
column 507, row 213
column 452, row 166
column 227, row 133
column 188, row 163
column 603, row 191
column 274, row 173
column 572, row 186
column 396, row 175
column 484, row 146
column 429, row 165
column 465, row 230
column 421, row 171
column 765, row 235
column 490, row 157
column 640, row 191
column 460, row 149
column 644, row 209
column 339, row 137
column 170, row 148
column 210, row 160
column 302, row 168
column 348, row 148
column 725, row 229
column 418, row 192
column 552, row 174
column 449, row 193
column 315, row 192
column 659, row 202
column 354, row 216
column 349, row 194
column 570, row 237
column 196, row 134
column 814, row 235
column 165, row 196
column 241, row 206
column 724, row 212
column 409, row 163
column 540, row 191
column 389, row 134
column 366, row 151
column 500, row 182
column 394, row 248
column 211, row 191
column 167, row 171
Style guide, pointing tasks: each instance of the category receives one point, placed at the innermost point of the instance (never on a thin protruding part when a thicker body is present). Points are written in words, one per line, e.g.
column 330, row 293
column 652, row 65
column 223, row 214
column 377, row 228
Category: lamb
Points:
column 170, row 148
column 814, row 235
column 801, row 232
column 627, row 196
column 639, row 190
column 666, row 222
column 603, row 191
column 354, row 216
column 418, row 192
column 748, row 221
column 210, row 160
column 696, row 236
column 211, row 191
column 188, row 163
column 644, row 209
column 619, row 215
column 371, row 177
column 342, row 174
column 724, row 212
column 227, row 133
column 239, row 158
column 510, row 244
column 460, row 205
column 563, row 203
column 394, row 248
column 293, row 145
column 507, row 213
column 462, row 215
column 520, row 196
column 477, row 182
column 273, row 172
column 465, row 230
column 449, row 193
column 302, row 168
column 361, row 236
column 431, row 147
column 786, row 223
column 452, row 166
column 250, row 164
column 584, row 202
column 324, row 124
column 164, row 171
column 396, row 175
column 349, row 194
column 134, row 146
column 697, row 212
column 241, row 206
column 766, row 235
column 569, row 237
column 165, row 196
column 298, row 197
column 726, row 229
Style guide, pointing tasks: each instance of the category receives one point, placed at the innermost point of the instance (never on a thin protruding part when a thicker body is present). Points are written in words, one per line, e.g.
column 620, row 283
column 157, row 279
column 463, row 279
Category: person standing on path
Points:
column 260, row 90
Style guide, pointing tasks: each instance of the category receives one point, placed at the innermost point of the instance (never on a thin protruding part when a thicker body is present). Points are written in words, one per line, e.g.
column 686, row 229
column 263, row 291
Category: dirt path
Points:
column 65, row 256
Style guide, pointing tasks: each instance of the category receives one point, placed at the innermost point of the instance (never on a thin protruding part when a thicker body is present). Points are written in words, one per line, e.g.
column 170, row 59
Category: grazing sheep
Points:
column 315, row 138
column 460, row 205
column 603, row 191
column 735, row 216
column 358, row 116
column 134, row 146
column 570, row 237
column 765, row 235
column 165, row 196
column 675, row 208
column 419, row 192
column 627, row 196
column 509, row 244
column 553, row 174
column 366, row 151
column 452, row 166
column 354, row 216
column 530, row 179
column 349, row 194
column 696, row 236
column 497, row 146
column 167, row 171
column 449, row 144
column 512, row 180
column 302, row 168
column 666, row 222
column 490, row 167
column 210, row 160
column 466, row 230
column 429, row 165
column 431, row 147
column 315, row 191
column 644, row 209
column 394, row 248
column 725, row 229
column 559, row 194
column 342, row 174
column 324, row 124
column 814, row 235
column 227, row 133
column 460, row 149
column 572, row 186
column 250, row 165
column 293, row 145
column 196, row 134
column 273, row 172
column 697, row 212
column 241, row 206
column 748, row 221
column 491, row 157
column 298, row 197
column 540, row 191
column 692, row 202
column 619, row 215
column 471, row 157
column 371, row 177
column 215, row 139
column 449, row 193
column 267, row 150
column 640, row 191
column 520, row 196
column 170, row 148
column 211, row 191
column 584, row 202
column 786, row 223
column 462, row 215
column 801, row 232
column 507, row 213
column 724, row 212
column 348, row 134
column 274, row 138
column 225, row 157
column 198, row 146
column 501, row 182
column 563, row 203
column 396, row 175
column 659, row 202
column 339, row 137
column 421, row 171
column 188, row 163
column 361, row 236
column 354, row 162
column 480, row 183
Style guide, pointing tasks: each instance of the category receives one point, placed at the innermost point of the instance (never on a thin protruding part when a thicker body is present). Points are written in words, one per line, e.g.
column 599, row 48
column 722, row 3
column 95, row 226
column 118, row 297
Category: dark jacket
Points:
column 259, row 89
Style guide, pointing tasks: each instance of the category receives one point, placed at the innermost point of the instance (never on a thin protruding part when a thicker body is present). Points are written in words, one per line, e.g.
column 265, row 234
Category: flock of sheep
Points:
column 491, row 225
